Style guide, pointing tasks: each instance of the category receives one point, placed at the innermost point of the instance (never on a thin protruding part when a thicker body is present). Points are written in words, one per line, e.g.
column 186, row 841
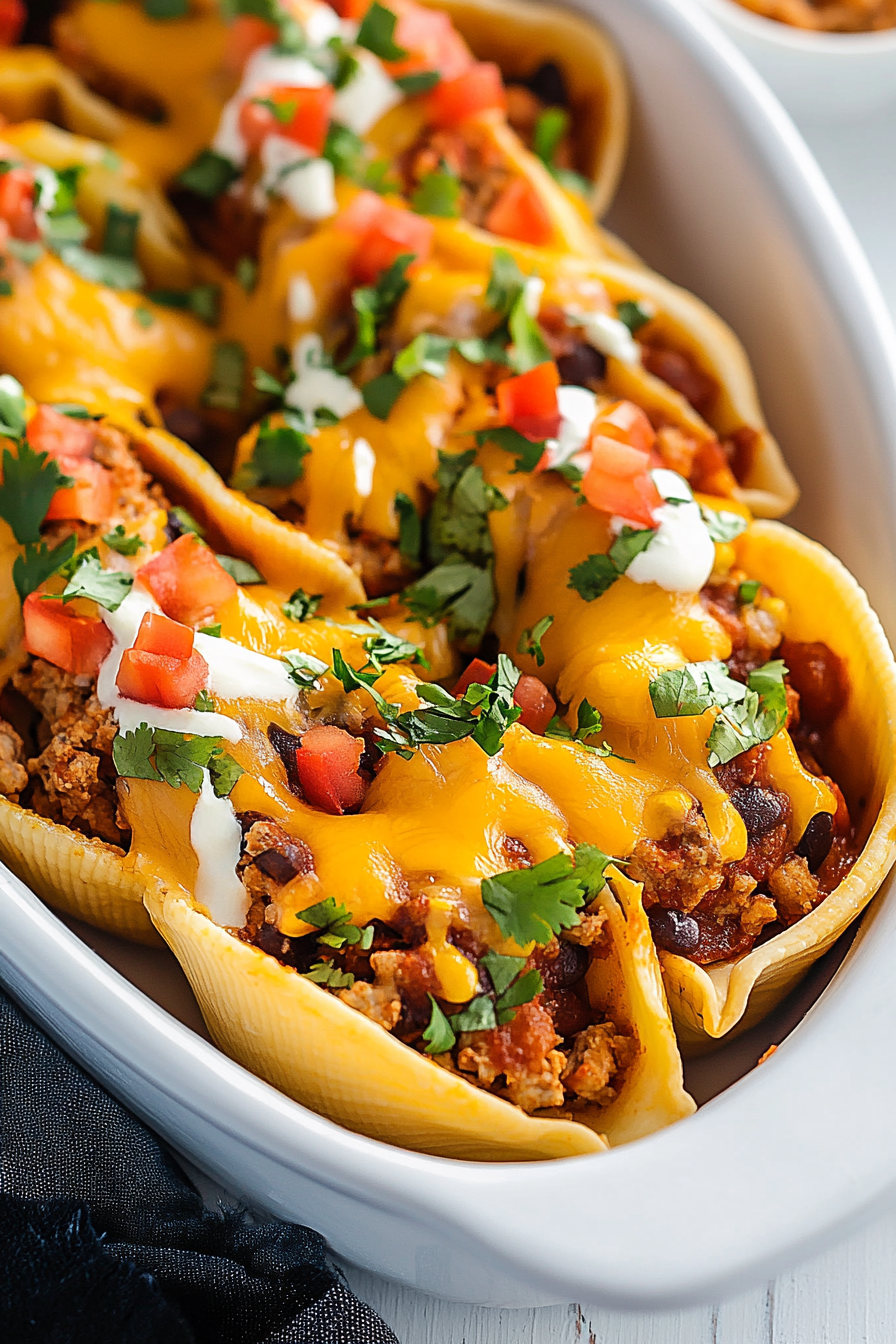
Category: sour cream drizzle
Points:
column 681, row 555
column 215, row 835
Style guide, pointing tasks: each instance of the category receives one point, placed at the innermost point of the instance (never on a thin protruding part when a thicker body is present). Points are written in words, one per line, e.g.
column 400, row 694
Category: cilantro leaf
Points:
column 591, row 867
column 239, row 570
column 12, row 407
column 505, row 282
column 30, row 480
column 550, row 128
column 426, row 353
column 592, row 577
column 324, row 973
column 345, row 150
column 458, row 520
column 438, row 1035
column 225, row 388
column 377, row 33
column 204, row 703
column 632, row 314
column 384, row 647
column 223, row 772
column 120, row 232
column 100, row 268
column 530, row 640
column 374, row 305
column 459, row 590
column 748, row 715
column 528, row 452
column 588, row 722
column 438, row 194
column 723, row 525
column 304, row 669
column 694, row 688
column 277, row 457
column 131, row 753
column 521, row 991
column 501, row 970
column 479, row 1015
column 335, row 925
column 419, row 82
column 302, row 606
column 498, row 711
column 380, row 394
column 181, row 760
column 748, row 591
column 203, row 301
column 630, row 543
column 529, row 346
column 533, row 904
column 118, row 541
column 246, row 273
column 213, row 631
column 209, row 174
column 410, row 533
column 108, row 587
column 37, row 563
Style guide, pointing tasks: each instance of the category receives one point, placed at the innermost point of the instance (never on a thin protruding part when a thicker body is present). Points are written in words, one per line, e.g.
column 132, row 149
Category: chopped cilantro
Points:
column 483, row 713
column 304, row 669
column 528, row 452
column 185, row 521
column 748, row 591
column 203, row 301
column 131, row 753
column 534, row 904
column 113, row 272
column 410, row 533
column 377, row 33
column 479, row 1015
column 505, row 282
column 501, row 970
column 630, row 542
column 143, row 317
column 521, row 991
column 374, row 305
column 117, row 540
column 209, row 174
column 204, row 703
column 334, row 922
column 30, row 480
column 459, row 590
column 530, row 640
column 120, row 232
column 383, row 647
column 5, row 288
column 550, row 128
column 166, row 9
column 214, row 631
column 426, row 353
column 723, row 525
column 438, row 1035
column 327, row 975
column 74, row 410
column 281, row 112
column 246, row 273
column 107, row 587
column 694, row 688
column 157, row 753
column 380, row 394
column 12, row 407
column 438, row 194
column 592, row 577
column 346, row 151
column 225, row 388
column 632, row 314
column 302, row 606
column 240, row 570
column 588, row 723
column 420, row 82
column 265, row 382
column 748, row 715
column 528, row 345
column 37, row 563
column 277, row 457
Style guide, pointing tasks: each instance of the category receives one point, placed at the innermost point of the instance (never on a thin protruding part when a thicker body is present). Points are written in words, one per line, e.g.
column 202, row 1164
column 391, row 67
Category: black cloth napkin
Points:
column 103, row 1239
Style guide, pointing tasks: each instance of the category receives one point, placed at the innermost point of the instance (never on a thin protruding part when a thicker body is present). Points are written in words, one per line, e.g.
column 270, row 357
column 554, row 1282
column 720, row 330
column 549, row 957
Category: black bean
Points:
column 674, row 931
column 582, row 366
column 283, row 864
column 567, row 968
column 816, row 841
column 762, row 809
column 286, row 745
column 548, row 84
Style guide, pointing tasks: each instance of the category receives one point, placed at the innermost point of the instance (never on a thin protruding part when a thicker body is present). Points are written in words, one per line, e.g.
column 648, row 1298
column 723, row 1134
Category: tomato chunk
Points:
column 156, row 679
column 519, row 213
column 351, row 9
column 478, row 672
column 17, row 204
column 77, row 644
column 528, row 403
column 12, row 20
column 302, row 115
column 159, row 634
column 536, row 702
column 384, row 232
column 50, row 431
column 187, row 581
column 246, row 34
column 327, row 765
column 617, row 459
column 633, row 498
column 431, row 41
column 478, row 89
column 626, row 422
column 711, row 473
column 90, row 498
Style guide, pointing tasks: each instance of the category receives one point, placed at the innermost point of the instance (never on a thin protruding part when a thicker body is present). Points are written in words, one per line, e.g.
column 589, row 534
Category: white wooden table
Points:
column 847, row 1296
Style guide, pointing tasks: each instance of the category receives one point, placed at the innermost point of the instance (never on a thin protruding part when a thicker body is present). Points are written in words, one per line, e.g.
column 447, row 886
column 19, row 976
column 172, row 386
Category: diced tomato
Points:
column 616, row 458
column 305, row 112
column 431, row 41
column 77, row 644
column 536, row 702
column 187, row 581
column 246, row 34
column 159, row 634
column 519, row 213
column 528, row 403
column 17, row 203
column 478, row 672
column 479, row 89
column 327, row 765
column 90, row 498
column 155, row 679
column 711, row 473
column 634, row 497
column 59, row 435
column 384, row 232
column 351, row 9
column 626, row 422
column 12, row 20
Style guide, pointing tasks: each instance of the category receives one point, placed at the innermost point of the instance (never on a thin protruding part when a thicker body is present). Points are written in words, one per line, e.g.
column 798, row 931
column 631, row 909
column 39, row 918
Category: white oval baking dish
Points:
column 722, row 195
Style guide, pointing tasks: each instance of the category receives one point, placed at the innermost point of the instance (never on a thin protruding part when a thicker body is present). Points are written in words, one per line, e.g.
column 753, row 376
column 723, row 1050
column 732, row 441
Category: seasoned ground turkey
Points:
column 13, row 775
column 394, row 978
column 470, row 155
column 70, row 777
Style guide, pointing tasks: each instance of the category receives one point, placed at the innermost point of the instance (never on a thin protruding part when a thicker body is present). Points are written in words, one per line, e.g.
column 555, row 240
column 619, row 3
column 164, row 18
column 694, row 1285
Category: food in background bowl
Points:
column 828, row 16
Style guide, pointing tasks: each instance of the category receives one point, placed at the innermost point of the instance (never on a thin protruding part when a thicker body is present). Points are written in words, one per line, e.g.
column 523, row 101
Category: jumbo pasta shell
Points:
column 335, row 1061
column 825, row 603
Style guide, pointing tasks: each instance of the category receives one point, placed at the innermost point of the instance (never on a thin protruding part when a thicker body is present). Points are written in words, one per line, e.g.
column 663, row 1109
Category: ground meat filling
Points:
column 557, row 1050
column 469, row 155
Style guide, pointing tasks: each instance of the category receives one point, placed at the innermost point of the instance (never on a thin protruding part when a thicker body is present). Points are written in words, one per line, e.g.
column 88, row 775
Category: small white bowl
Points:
column 817, row 76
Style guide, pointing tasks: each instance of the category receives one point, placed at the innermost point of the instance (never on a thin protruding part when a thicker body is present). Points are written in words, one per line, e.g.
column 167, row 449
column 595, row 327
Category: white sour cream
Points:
column 263, row 68
column 681, row 556
column 607, row 334
column 301, row 301
column 316, row 385
column 215, row 835
column 532, row 292
column 578, row 408
column 310, row 188
column 364, row 461
column 367, row 97
column 321, row 24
